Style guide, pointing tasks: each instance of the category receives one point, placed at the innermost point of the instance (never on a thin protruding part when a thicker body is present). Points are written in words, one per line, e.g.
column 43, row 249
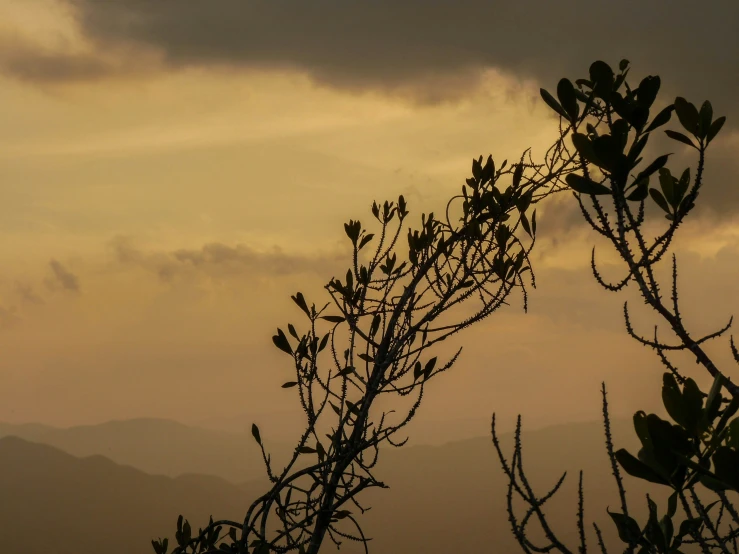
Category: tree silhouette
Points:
column 701, row 447
column 392, row 308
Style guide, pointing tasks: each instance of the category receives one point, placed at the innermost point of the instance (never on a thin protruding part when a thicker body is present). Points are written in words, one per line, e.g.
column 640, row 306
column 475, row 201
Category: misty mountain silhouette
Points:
column 283, row 427
column 156, row 446
column 54, row 503
column 448, row 498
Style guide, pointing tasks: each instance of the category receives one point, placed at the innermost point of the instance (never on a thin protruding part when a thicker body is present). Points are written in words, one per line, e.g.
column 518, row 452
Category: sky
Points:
column 170, row 172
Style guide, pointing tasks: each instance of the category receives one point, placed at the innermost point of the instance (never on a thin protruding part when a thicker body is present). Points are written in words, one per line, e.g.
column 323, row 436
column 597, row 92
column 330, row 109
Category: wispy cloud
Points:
column 9, row 317
column 218, row 260
column 62, row 277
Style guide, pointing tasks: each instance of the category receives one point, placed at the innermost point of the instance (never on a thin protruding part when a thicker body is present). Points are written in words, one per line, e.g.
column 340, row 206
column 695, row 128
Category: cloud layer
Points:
column 218, row 260
column 434, row 48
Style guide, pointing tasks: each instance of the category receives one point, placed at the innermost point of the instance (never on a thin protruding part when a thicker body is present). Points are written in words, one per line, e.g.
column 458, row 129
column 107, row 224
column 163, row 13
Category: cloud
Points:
column 217, row 260
column 27, row 61
column 62, row 277
column 8, row 317
column 435, row 48
column 27, row 294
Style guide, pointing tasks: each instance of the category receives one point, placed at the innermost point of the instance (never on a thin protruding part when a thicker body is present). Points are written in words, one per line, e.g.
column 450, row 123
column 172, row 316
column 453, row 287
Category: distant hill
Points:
column 54, row 503
column 156, row 446
column 442, row 499
column 285, row 426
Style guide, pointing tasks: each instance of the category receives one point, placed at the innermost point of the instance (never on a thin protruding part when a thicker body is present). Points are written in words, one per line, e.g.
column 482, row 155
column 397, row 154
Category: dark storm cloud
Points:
column 29, row 62
column 390, row 44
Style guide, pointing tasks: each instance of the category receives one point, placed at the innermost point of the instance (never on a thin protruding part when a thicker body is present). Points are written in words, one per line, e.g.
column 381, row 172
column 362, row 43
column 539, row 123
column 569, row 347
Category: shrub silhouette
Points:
column 701, row 447
column 389, row 311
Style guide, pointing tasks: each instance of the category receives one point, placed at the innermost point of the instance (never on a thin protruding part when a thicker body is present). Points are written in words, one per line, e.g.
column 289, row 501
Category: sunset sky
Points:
column 171, row 171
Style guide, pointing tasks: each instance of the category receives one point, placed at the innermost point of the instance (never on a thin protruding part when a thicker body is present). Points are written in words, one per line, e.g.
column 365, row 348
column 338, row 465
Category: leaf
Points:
column 733, row 439
column 348, row 370
column 640, row 192
column 352, row 231
column 365, row 240
column 333, row 318
column 726, row 466
column 324, row 342
column 674, row 135
column 477, row 168
column 307, row 450
column 715, row 128
column 668, row 443
column 672, row 504
column 672, row 398
column 668, row 530
column 659, row 199
column 552, row 103
column 585, row 148
column 689, row 526
column 706, row 116
column 667, row 184
column 653, row 531
column 687, row 114
column 623, row 64
column 376, row 320
column 417, row 370
column 636, row 149
column 620, row 133
column 429, row 367
column 652, row 167
column 583, row 185
column 255, row 433
column 281, row 342
column 661, row 118
column 366, row 357
column 692, row 404
column 567, row 98
column 628, row 529
column 524, row 201
column 642, row 431
column 647, row 91
column 488, row 170
column 525, row 224
column 636, row 468
column 601, row 75
column 682, row 185
column 608, row 149
column 289, row 384
column 533, row 223
column 302, row 304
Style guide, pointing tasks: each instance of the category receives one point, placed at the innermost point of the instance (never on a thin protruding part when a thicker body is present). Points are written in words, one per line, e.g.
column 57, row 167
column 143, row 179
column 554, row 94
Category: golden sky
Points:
column 160, row 203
